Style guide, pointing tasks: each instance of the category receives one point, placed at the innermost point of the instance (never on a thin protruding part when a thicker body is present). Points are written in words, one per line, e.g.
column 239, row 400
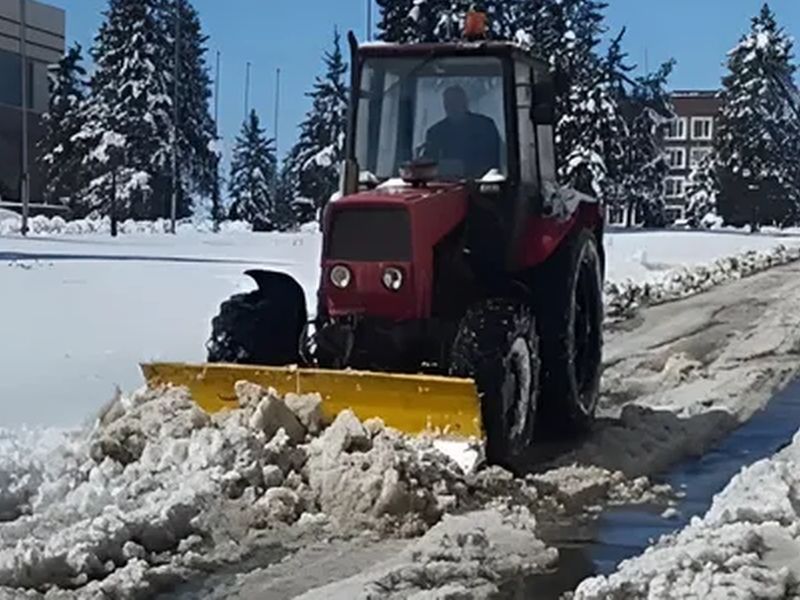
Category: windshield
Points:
column 449, row 110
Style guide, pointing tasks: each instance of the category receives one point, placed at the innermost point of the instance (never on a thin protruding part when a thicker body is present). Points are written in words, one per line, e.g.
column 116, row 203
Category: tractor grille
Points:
column 370, row 235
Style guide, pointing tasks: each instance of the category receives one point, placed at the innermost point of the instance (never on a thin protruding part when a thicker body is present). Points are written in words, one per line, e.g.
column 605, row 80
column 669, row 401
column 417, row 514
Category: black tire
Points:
column 259, row 328
column 569, row 317
column 496, row 345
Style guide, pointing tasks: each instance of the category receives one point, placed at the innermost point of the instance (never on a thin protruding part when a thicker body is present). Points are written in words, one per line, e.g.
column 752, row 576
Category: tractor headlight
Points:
column 393, row 279
column 341, row 276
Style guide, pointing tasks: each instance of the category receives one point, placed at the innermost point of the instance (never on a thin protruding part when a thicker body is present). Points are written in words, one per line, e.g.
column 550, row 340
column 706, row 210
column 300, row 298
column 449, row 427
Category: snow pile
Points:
column 466, row 556
column 623, row 299
column 746, row 546
column 41, row 225
column 159, row 489
column 28, row 458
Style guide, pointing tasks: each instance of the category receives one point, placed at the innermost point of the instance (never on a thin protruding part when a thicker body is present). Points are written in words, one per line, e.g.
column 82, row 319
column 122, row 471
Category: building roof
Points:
column 695, row 93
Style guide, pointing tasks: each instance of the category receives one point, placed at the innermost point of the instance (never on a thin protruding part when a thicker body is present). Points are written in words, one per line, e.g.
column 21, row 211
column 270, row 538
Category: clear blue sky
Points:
column 292, row 34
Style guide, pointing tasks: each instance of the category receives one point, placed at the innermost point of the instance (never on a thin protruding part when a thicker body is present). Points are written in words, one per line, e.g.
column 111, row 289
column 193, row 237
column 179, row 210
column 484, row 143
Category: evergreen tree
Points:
column 252, row 171
column 196, row 129
column 127, row 122
column 415, row 21
column 60, row 154
column 313, row 163
column 701, row 192
column 639, row 184
column 756, row 142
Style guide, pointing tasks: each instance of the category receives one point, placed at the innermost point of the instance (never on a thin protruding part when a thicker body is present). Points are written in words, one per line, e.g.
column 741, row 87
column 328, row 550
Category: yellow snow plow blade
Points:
column 412, row 404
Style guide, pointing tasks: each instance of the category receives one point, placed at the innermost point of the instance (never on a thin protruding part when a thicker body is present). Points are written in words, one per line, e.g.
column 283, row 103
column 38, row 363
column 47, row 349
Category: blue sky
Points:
column 292, row 34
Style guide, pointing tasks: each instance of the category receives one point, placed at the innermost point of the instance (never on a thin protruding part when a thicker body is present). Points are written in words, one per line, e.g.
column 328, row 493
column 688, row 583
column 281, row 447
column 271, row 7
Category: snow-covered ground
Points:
column 157, row 492
column 81, row 311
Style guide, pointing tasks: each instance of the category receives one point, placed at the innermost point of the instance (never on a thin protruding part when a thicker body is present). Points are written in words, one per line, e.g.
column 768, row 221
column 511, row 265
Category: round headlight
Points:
column 341, row 276
column 393, row 278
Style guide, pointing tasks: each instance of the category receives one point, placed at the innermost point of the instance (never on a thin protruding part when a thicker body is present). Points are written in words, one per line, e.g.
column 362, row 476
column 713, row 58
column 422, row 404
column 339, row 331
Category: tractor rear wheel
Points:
column 262, row 327
column 569, row 318
column 496, row 345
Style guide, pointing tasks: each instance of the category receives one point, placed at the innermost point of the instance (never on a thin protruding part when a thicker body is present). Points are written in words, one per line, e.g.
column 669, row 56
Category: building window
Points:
column 11, row 78
column 676, row 158
column 39, row 88
column 673, row 187
column 698, row 155
column 702, row 128
column 676, row 130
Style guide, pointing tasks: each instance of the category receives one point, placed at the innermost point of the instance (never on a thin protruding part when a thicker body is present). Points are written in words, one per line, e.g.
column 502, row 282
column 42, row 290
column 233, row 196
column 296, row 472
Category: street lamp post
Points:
column 175, row 116
column 25, row 191
column 215, row 201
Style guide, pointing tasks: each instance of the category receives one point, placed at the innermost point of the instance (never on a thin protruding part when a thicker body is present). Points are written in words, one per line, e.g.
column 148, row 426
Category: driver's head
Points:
column 456, row 104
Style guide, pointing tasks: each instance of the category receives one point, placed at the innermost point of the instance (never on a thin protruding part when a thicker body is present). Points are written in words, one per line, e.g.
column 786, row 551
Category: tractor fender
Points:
column 283, row 289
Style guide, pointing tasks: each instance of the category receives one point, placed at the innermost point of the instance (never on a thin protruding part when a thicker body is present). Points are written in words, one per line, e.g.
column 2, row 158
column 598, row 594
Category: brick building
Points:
column 688, row 139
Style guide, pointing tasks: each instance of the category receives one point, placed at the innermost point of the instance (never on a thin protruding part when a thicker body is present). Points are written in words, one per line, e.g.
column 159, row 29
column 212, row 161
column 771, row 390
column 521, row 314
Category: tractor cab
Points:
column 458, row 112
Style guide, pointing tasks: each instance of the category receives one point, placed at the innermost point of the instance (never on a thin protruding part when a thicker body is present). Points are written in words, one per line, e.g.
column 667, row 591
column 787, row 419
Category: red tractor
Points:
column 452, row 251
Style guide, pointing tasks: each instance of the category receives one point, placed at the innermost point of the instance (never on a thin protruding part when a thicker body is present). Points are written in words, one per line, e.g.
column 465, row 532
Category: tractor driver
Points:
column 469, row 138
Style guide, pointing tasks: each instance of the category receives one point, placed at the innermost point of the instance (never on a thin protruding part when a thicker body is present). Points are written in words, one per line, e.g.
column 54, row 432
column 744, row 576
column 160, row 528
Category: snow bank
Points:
column 746, row 546
column 623, row 299
column 41, row 225
column 157, row 490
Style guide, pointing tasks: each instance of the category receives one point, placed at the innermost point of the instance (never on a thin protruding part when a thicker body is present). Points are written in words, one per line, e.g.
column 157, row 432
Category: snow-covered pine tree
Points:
column 756, row 142
column 313, row 163
column 414, row 21
column 590, row 131
column 286, row 216
column 127, row 121
column 60, row 155
column 701, row 192
column 639, row 184
column 196, row 130
column 252, row 171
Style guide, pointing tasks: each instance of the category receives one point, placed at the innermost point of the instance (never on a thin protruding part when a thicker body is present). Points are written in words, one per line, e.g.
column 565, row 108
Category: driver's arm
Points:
column 433, row 143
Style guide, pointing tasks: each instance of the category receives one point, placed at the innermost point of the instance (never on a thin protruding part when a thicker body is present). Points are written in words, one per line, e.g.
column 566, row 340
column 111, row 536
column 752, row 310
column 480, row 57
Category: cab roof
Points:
column 481, row 48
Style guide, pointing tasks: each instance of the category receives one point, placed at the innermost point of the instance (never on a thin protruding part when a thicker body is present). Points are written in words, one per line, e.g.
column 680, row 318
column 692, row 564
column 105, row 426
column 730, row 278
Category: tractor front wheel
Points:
column 262, row 327
column 496, row 345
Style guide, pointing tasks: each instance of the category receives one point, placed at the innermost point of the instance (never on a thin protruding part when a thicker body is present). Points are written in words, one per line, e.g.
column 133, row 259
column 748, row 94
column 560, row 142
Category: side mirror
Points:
column 543, row 111
column 349, row 177
column 543, row 114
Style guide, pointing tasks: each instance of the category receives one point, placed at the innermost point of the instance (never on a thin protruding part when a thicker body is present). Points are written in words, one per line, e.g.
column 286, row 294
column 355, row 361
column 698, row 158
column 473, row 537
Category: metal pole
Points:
column 215, row 208
column 247, row 92
column 277, row 105
column 216, row 98
column 175, row 117
column 369, row 20
column 25, row 191
column 277, row 125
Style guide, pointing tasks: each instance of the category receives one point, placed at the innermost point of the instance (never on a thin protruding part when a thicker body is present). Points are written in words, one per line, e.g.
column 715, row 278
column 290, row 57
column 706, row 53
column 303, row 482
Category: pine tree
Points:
column 701, row 192
column 415, row 21
column 313, row 163
column 756, row 142
column 60, row 155
column 127, row 121
column 196, row 129
column 639, row 181
column 252, row 171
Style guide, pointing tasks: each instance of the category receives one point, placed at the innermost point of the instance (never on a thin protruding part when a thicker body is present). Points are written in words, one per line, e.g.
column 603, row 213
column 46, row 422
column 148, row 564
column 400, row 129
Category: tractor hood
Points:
column 395, row 226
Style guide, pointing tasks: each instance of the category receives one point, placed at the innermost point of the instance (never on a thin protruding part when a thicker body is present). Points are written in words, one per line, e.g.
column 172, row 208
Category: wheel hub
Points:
column 517, row 388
